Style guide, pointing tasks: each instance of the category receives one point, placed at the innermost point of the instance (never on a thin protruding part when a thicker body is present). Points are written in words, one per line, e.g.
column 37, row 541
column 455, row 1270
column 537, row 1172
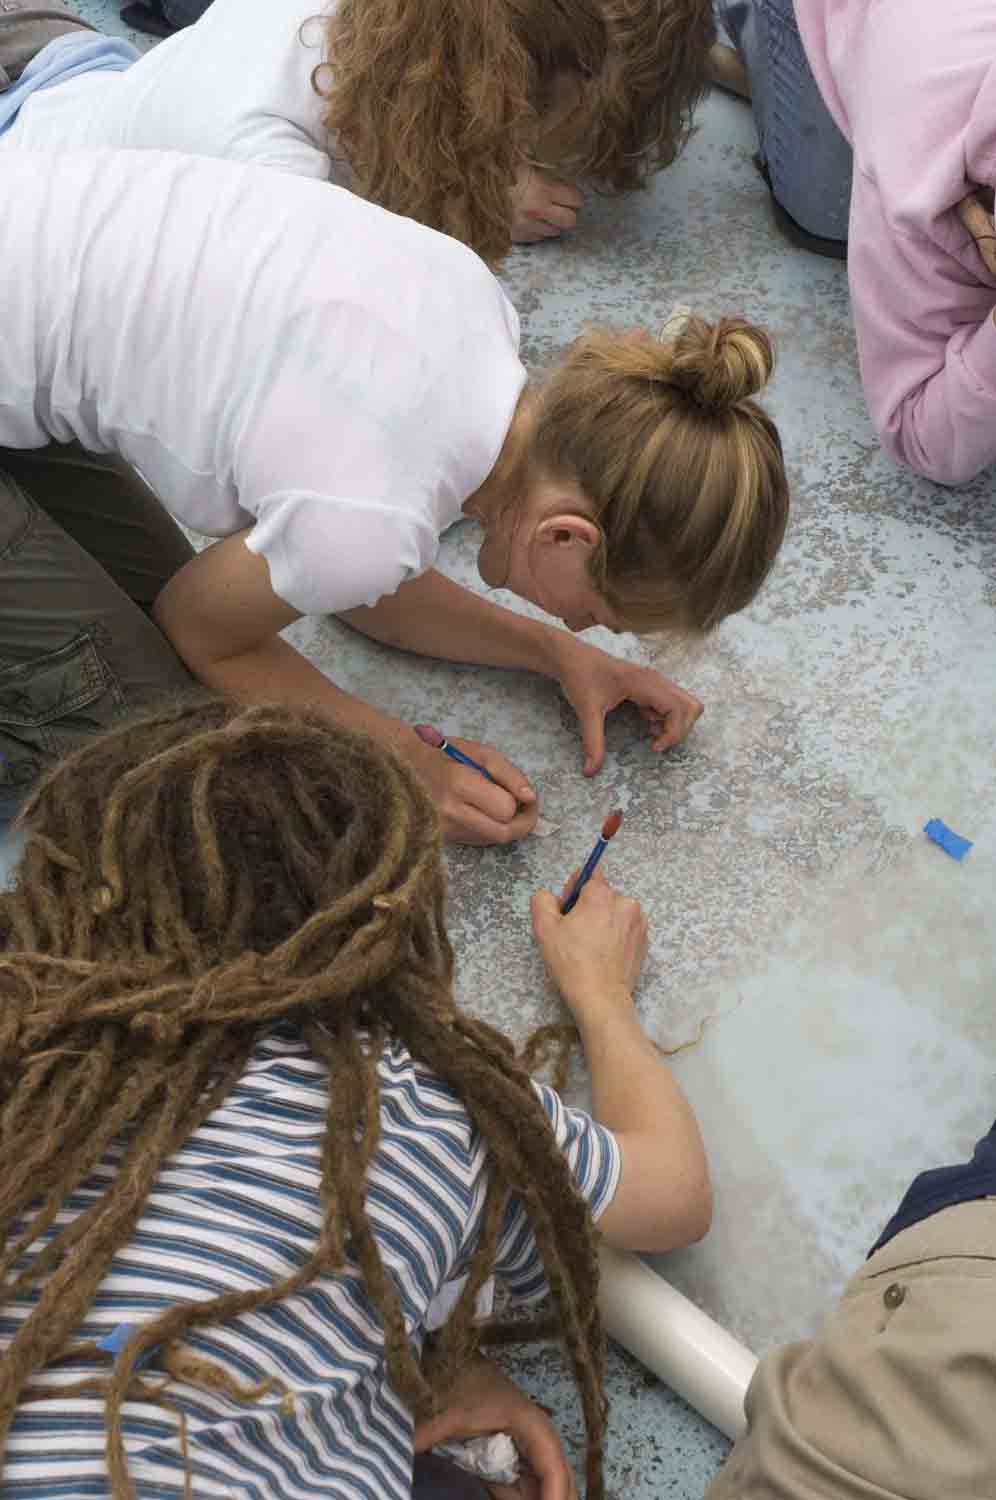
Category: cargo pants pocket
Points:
column 49, row 705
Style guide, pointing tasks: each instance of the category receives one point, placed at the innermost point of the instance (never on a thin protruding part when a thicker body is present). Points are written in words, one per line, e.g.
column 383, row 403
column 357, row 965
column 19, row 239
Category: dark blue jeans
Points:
column 184, row 12
column 437, row 1479
column 943, row 1187
column 807, row 158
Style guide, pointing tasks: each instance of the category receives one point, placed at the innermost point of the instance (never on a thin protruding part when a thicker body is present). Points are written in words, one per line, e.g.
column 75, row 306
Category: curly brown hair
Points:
column 436, row 106
column 655, row 76
column 432, row 104
column 188, row 881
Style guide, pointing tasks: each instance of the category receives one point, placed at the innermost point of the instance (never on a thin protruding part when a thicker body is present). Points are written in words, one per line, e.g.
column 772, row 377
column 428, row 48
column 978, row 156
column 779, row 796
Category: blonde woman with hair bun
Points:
column 689, row 468
column 326, row 403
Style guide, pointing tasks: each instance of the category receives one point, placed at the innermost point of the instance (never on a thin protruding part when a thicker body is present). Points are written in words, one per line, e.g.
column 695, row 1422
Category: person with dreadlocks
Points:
column 325, row 388
column 476, row 117
column 249, row 1139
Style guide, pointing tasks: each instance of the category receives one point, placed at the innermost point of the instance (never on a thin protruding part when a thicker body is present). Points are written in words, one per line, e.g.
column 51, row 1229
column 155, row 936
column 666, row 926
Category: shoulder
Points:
column 486, row 303
column 421, row 1116
column 416, row 1100
column 429, row 280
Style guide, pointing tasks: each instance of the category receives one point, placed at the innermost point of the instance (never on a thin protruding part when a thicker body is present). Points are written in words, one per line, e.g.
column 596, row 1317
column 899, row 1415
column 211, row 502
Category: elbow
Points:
column 944, row 469
column 700, row 1217
column 184, row 641
column 160, row 615
column 695, row 1220
column 173, row 614
column 946, row 464
column 165, row 614
column 952, row 474
column 685, row 1217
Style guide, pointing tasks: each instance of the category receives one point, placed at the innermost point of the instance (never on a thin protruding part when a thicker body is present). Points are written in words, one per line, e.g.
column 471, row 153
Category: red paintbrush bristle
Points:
column 611, row 825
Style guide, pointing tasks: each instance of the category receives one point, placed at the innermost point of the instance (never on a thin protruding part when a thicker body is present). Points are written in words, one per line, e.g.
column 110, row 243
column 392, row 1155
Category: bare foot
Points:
column 725, row 69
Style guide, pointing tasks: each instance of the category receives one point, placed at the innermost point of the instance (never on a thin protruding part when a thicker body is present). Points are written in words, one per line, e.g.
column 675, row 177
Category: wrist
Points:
column 600, row 1009
column 557, row 648
column 393, row 733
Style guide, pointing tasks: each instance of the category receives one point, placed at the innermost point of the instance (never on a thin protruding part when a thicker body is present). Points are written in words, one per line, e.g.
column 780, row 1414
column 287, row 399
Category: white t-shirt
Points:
column 237, row 85
column 269, row 352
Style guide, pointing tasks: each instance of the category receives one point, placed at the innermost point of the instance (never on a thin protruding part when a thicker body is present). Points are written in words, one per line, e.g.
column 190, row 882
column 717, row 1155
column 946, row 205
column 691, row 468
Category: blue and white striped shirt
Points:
column 238, row 1207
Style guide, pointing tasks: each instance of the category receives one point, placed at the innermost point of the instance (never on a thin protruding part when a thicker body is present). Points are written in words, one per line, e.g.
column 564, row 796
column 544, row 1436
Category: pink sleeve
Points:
column 926, row 342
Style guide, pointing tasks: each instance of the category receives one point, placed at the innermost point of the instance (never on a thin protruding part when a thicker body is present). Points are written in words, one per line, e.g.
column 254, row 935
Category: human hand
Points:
column 978, row 220
column 725, row 68
column 542, row 207
column 472, row 809
column 594, row 955
column 484, row 1400
column 594, row 683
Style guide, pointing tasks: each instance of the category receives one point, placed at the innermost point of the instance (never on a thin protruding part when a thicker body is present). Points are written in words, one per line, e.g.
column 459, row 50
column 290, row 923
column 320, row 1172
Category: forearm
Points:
column 632, row 1087
column 433, row 616
column 274, row 672
column 663, row 1200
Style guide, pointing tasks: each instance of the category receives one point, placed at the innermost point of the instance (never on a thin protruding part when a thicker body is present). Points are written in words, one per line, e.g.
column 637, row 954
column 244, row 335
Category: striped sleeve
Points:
column 593, row 1156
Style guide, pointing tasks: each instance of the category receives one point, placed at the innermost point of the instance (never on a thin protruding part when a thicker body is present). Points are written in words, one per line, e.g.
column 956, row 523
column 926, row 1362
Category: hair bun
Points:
column 719, row 364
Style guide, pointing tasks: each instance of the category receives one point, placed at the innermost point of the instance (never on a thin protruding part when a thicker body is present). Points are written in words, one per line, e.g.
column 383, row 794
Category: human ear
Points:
column 569, row 529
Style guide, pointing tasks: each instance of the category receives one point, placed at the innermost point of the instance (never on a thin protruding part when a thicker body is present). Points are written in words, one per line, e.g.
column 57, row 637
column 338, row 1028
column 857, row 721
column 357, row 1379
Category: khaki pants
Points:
column 896, row 1398
column 85, row 548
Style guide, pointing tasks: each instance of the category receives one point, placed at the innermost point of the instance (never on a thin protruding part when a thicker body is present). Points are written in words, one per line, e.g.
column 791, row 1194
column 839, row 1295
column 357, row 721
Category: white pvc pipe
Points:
column 697, row 1358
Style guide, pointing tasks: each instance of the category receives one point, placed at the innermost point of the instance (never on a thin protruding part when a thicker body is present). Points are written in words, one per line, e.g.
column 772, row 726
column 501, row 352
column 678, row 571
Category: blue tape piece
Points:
column 115, row 1341
column 952, row 843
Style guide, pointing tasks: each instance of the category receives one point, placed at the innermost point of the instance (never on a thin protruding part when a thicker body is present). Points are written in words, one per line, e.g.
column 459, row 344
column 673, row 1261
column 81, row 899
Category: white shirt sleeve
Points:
column 327, row 554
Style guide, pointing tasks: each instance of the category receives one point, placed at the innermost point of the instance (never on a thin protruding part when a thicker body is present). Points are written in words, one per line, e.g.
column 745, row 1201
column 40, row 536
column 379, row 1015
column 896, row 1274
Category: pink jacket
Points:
column 912, row 85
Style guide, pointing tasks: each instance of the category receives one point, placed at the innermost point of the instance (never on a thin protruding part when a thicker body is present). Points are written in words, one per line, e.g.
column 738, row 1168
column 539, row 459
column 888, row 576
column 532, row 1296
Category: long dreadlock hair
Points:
column 189, row 880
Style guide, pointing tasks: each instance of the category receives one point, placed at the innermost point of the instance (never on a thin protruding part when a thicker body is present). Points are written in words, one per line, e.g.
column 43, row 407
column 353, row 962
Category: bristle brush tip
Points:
column 430, row 735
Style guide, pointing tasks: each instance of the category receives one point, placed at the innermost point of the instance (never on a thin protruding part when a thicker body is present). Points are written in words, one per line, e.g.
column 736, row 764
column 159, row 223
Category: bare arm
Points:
column 437, row 617
column 223, row 619
column 664, row 1199
column 434, row 616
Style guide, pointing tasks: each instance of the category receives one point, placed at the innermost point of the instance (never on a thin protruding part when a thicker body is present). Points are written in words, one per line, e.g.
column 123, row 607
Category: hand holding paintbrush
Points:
column 494, row 805
column 609, row 830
